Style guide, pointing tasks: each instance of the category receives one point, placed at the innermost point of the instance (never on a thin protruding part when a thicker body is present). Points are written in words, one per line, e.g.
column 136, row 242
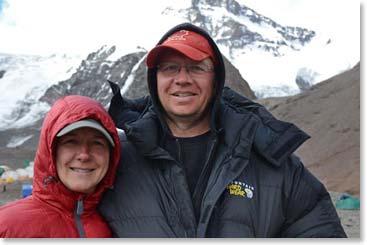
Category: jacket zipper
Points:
column 78, row 212
column 205, row 168
column 184, row 172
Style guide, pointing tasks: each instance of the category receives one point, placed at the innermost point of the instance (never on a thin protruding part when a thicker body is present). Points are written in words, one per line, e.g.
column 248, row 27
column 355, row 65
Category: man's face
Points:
column 82, row 159
column 184, row 94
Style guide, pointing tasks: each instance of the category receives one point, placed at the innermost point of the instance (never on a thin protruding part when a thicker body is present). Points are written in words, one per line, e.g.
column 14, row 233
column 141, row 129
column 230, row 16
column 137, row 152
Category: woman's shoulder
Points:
column 26, row 217
column 14, row 215
column 19, row 209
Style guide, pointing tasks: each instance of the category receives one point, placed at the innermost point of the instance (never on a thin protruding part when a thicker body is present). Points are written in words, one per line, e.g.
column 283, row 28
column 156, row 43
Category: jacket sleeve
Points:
column 309, row 208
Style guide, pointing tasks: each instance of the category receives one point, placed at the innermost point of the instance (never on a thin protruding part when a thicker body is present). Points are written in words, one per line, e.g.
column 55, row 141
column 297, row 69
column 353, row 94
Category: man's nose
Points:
column 183, row 75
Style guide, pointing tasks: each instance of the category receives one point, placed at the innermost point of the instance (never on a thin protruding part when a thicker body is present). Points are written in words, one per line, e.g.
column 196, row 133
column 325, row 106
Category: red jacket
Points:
column 51, row 209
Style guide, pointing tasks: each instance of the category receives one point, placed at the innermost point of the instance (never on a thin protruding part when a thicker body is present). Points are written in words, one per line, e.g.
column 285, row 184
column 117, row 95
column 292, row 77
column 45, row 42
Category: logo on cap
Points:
column 191, row 44
column 178, row 36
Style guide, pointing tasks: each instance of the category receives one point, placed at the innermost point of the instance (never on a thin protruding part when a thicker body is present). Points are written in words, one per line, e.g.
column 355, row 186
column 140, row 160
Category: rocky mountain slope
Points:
column 129, row 72
column 330, row 113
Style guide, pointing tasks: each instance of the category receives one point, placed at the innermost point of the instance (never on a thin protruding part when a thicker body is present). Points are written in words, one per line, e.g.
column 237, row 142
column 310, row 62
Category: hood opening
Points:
column 219, row 75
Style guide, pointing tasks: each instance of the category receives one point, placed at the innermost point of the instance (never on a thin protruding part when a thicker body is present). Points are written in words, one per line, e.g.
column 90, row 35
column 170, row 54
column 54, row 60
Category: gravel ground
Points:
column 350, row 218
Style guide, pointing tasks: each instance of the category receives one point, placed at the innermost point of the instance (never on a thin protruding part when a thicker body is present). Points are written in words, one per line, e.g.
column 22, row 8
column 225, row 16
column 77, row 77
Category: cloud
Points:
column 43, row 26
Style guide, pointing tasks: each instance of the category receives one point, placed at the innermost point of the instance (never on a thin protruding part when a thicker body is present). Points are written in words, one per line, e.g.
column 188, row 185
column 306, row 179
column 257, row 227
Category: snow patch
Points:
column 27, row 78
column 17, row 141
column 130, row 79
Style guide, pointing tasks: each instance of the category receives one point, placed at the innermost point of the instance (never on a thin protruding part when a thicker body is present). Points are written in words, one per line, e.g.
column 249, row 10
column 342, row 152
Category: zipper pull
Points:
column 77, row 215
column 79, row 207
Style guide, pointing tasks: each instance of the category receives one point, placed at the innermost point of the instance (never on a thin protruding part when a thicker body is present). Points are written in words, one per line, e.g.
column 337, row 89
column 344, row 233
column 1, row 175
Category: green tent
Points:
column 346, row 201
column 26, row 163
column 2, row 170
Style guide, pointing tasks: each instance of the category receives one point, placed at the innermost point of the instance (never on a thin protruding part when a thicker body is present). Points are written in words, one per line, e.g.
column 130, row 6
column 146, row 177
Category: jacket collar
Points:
column 274, row 139
column 219, row 75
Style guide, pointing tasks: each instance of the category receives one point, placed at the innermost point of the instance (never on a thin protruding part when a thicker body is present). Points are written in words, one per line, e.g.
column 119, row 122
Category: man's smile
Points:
column 183, row 94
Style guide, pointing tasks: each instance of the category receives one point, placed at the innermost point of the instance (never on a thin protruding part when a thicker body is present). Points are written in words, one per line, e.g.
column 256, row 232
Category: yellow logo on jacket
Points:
column 238, row 188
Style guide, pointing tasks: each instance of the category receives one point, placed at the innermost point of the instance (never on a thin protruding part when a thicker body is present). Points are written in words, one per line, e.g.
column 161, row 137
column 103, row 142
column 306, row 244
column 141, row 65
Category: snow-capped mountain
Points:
column 239, row 30
column 274, row 60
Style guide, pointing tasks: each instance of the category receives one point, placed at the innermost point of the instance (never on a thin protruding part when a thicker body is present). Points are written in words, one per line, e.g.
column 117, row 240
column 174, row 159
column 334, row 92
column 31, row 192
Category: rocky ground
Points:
column 350, row 218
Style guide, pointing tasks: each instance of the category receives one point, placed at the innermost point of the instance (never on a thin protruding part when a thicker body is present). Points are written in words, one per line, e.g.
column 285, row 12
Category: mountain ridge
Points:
column 231, row 31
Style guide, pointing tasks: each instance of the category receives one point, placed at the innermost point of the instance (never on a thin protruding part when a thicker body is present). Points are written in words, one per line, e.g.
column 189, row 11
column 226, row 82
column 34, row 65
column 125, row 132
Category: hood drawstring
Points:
column 48, row 179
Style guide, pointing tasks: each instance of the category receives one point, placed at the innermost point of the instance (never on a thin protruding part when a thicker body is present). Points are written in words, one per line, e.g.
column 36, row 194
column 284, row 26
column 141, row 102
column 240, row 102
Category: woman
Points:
column 78, row 153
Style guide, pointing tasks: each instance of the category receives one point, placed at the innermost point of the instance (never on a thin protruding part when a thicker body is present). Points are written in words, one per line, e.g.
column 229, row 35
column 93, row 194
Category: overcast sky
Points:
column 44, row 26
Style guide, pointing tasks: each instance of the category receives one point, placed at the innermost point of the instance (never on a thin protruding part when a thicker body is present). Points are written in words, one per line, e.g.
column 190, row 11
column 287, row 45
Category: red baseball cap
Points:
column 189, row 43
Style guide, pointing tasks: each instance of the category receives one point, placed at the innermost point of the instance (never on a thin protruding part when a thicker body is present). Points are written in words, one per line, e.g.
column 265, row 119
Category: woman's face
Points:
column 82, row 159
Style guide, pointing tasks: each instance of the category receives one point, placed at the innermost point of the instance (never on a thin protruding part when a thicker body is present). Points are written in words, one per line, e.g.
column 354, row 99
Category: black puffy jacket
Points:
column 254, row 185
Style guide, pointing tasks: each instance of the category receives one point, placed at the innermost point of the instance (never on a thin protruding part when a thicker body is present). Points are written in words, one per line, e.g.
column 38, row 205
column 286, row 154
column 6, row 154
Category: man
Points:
column 199, row 163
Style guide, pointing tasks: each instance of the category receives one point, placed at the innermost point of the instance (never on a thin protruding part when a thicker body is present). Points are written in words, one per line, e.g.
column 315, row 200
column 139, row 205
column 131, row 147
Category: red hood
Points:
column 46, row 184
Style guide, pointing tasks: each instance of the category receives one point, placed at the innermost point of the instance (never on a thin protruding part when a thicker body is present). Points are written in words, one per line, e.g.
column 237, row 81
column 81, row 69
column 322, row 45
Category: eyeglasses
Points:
column 172, row 69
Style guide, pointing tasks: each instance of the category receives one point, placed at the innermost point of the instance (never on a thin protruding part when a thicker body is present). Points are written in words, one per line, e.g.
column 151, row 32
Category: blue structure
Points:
column 26, row 190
